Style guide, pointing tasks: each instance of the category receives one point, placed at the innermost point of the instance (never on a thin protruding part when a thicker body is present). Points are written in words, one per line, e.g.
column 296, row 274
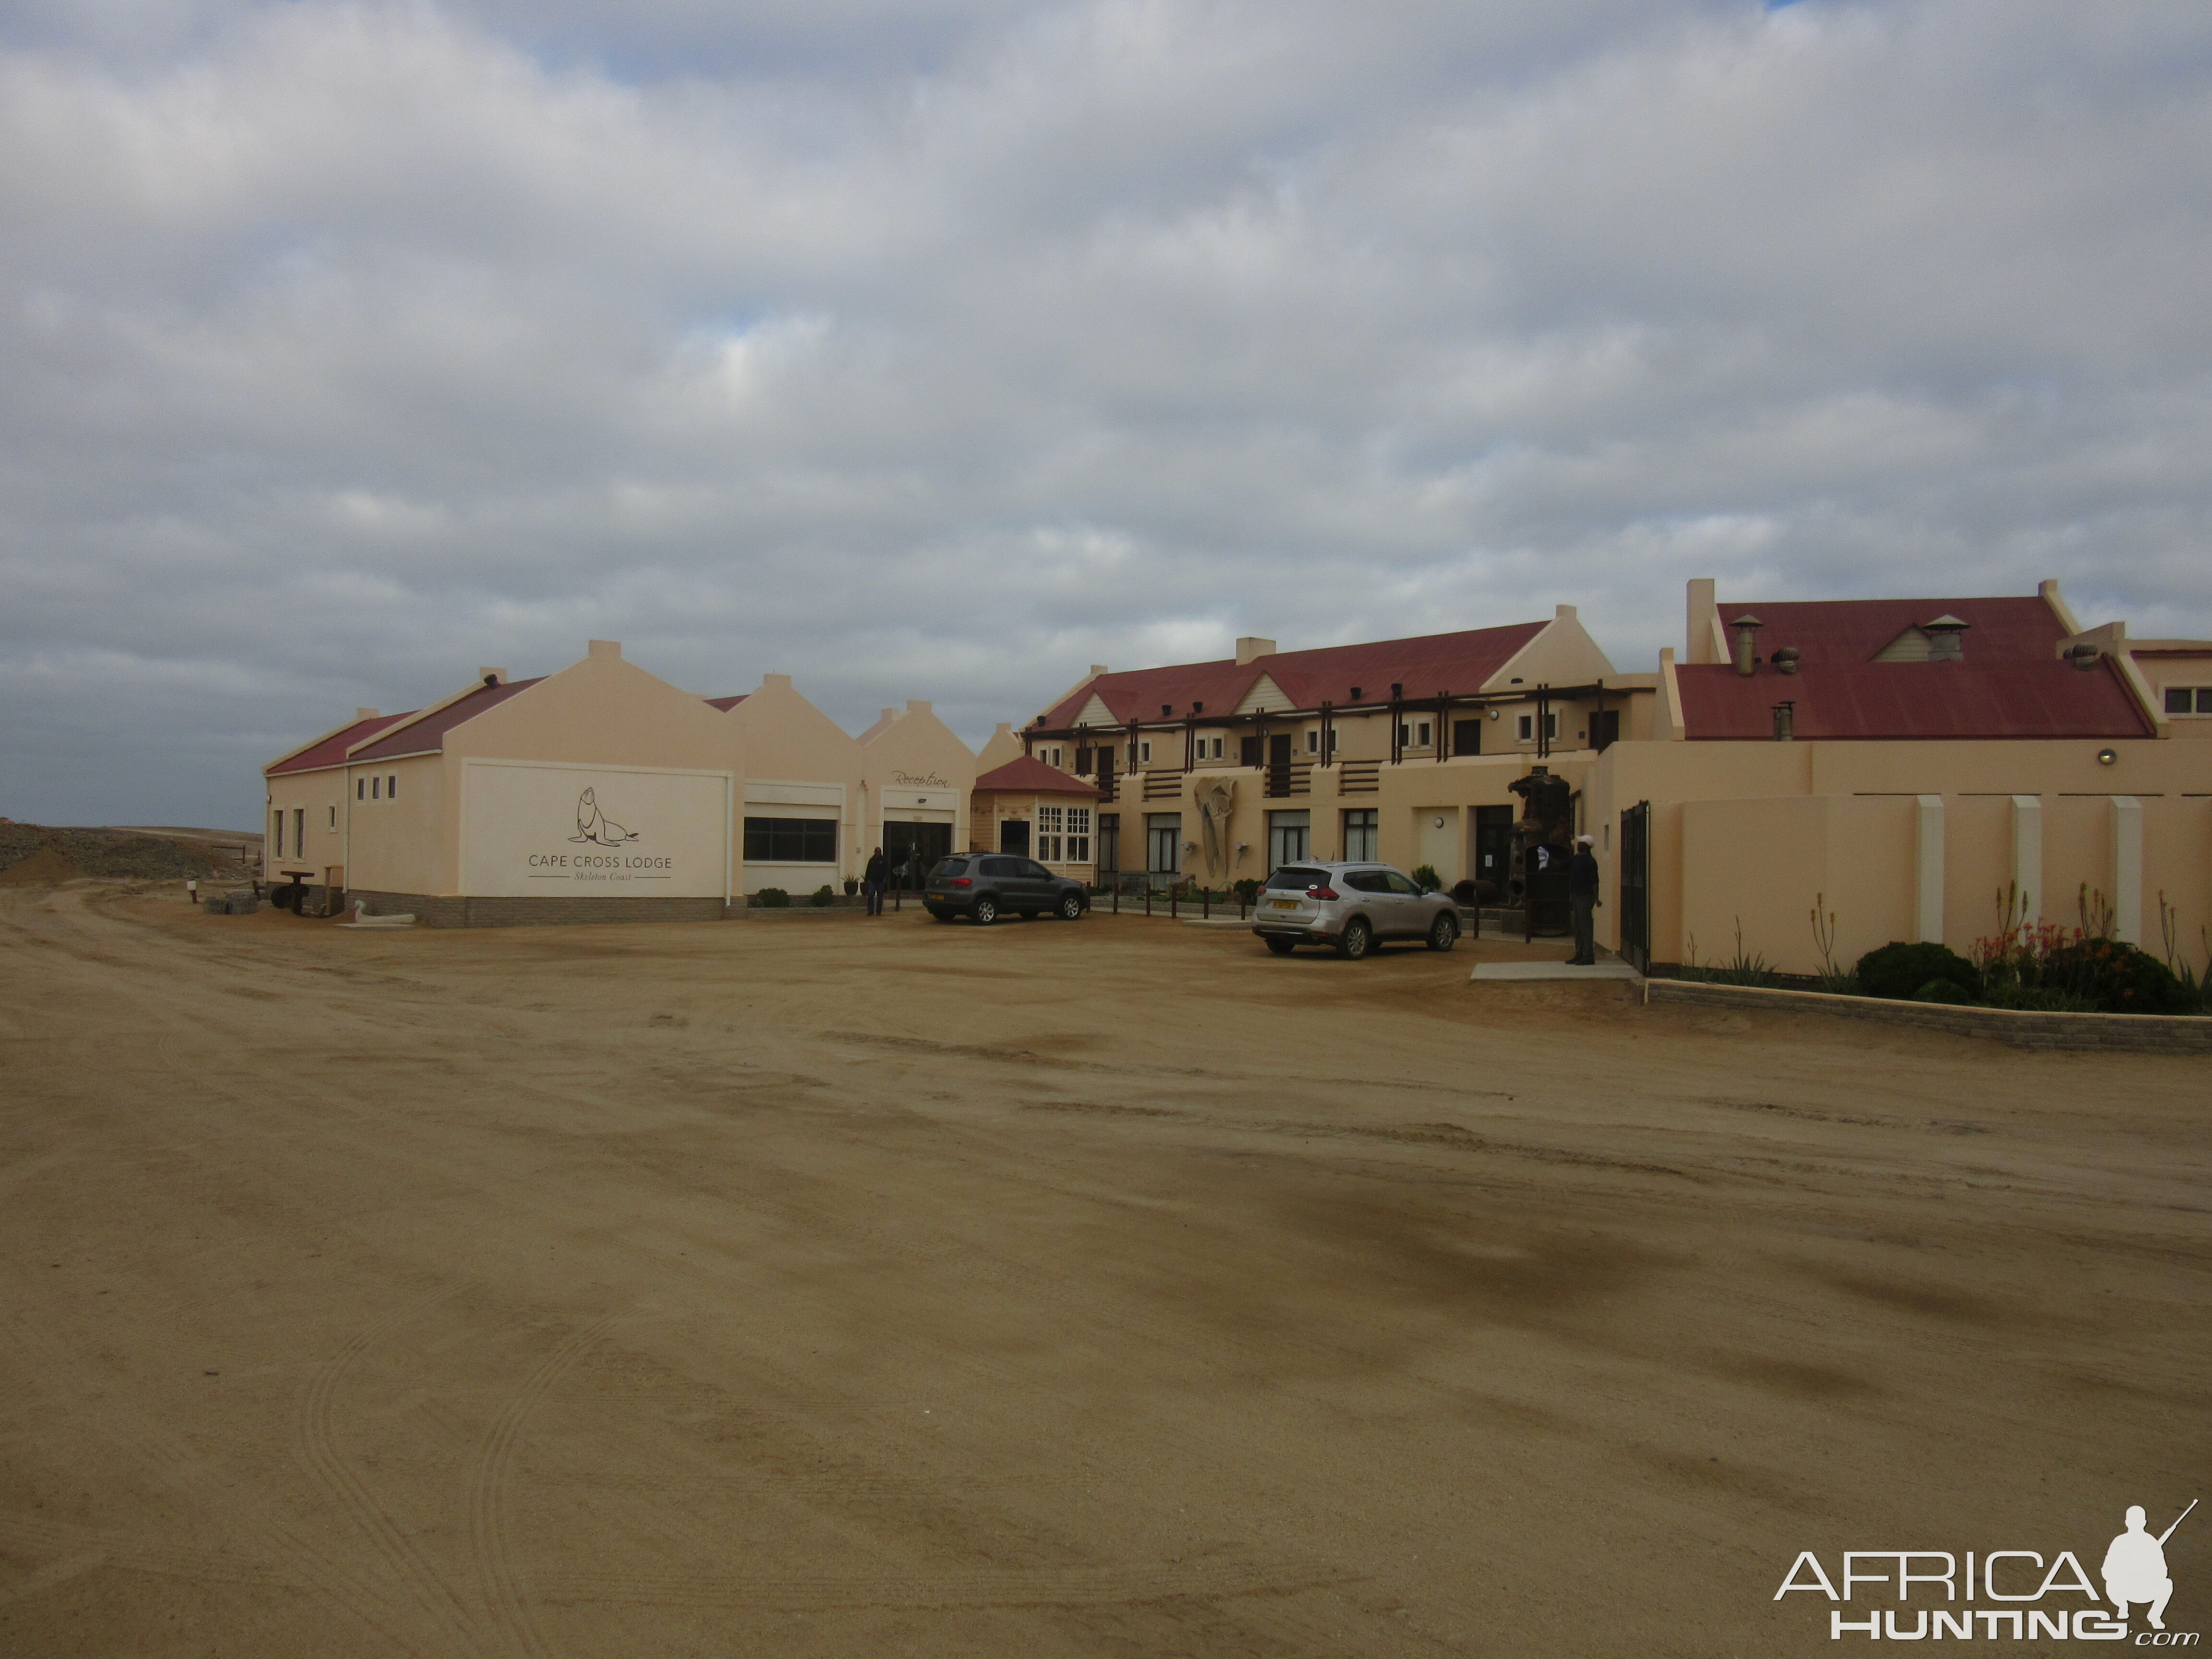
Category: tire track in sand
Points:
column 491, row 1486
column 408, row 1567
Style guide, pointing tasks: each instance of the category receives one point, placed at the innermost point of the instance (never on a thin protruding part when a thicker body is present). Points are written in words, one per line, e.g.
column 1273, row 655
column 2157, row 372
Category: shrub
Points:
column 2037, row 999
column 2116, row 978
column 1897, row 970
column 1426, row 879
column 824, row 896
column 1249, row 890
column 772, row 898
column 1944, row 990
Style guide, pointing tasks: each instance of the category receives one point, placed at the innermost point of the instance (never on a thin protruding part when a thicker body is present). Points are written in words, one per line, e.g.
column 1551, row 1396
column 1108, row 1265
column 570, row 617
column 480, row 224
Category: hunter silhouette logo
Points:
column 2134, row 1571
column 595, row 826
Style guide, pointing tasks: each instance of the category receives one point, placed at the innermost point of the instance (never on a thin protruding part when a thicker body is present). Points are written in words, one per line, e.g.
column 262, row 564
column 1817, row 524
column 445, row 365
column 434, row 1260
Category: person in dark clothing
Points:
column 871, row 881
column 1582, row 899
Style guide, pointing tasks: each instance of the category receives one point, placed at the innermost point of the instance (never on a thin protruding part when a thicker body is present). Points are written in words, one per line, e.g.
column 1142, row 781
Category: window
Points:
column 376, row 788
column 1313, row 740
column 1247, row 751
column 1421, row 735
column 1217, row 743
column 391, row 786
column 1079, row 835
column 1393, row 883
column 791, row 840
column 280, row 832
column 1359, row 836
column 360, row 788
column 1525, row 728
column 1551, row 726
column 334, row 818
column 1287, row 834
column 1033, row 872
column 2188, row 699
column 1002, row 867
column 1367, row 881
column 1145, row 752
column 1163, row 842
column 1109, row 840
column 1056, row 754
column 1048, row 834
column 299, row 831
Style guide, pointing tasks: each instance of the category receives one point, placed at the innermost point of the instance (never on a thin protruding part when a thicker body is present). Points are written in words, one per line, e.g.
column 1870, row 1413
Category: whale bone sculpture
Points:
column 362, row 919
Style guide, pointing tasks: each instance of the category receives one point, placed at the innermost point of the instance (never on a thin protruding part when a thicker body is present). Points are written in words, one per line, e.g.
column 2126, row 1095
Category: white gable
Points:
column 1265, row 697
column 1096, row 713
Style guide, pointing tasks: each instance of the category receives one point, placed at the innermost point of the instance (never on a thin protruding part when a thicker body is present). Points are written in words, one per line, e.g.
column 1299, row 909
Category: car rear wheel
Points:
column 986, row 912
column 1071, row 907
column 1357, row 940
column 1282, row 947
column 1444, row 932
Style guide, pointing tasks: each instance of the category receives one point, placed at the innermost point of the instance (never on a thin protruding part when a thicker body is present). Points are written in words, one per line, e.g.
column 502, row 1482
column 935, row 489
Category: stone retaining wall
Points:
column 2170, row 1034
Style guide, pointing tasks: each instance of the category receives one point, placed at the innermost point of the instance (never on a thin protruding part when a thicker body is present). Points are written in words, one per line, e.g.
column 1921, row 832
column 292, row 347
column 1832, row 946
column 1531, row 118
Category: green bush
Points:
column 1897, row 970
column 2114, row 977
column 1945, row 990
column 772, row 898
column 1249, row 890
column 1426, row 879
column 824, row 896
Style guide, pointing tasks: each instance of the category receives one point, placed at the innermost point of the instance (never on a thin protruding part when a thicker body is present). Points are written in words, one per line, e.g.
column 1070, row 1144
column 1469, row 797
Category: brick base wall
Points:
column 452, row 911
column 2167, row 1034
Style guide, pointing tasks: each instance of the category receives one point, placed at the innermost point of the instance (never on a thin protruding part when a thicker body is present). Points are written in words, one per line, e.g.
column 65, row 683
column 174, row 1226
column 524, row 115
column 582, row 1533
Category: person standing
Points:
column 1582, row 899
column 872, row 881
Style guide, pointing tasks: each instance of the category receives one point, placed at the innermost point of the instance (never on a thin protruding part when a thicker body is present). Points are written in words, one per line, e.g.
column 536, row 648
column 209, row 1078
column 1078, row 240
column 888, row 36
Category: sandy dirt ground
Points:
column 824, row 1287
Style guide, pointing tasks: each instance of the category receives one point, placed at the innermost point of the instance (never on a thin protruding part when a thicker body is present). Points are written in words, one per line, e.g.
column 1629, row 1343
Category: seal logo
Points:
column 595, row 826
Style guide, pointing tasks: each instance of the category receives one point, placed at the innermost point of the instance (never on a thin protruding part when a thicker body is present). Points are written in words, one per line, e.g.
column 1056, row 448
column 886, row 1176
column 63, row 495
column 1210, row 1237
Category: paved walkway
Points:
column 1609, row 968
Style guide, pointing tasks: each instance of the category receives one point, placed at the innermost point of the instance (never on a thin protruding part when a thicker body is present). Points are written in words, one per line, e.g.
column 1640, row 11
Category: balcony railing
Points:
column 1162, row 786
column 1288, row 778
column 1359, row 777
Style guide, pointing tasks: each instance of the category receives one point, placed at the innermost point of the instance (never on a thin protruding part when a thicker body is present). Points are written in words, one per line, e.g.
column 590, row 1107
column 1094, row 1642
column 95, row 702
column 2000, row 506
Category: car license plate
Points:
column 1284, row 904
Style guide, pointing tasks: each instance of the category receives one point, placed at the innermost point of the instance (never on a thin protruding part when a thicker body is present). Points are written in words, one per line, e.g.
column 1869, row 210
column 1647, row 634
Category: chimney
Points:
column 610, row 650
column 1703, row 618
column 1249, row 649
column 1747, row 628
column 1947, row 639
column 1563, row 613
column 916, row 706
column 492, row 676
column 1785, row 722
column 1096, row 669
column 775, row 682
column 890, row 713
column 366, row 713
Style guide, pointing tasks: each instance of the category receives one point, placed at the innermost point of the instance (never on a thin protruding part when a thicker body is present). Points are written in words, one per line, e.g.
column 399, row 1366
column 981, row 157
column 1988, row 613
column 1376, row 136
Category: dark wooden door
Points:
column 1466, row 737
column 1605, row 730
column 1014, row 835
column 1634, row 896
column 1493, row 849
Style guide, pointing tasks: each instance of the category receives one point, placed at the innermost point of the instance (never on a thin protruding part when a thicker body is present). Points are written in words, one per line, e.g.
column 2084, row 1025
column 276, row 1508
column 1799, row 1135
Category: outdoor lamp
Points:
column 2106, row 757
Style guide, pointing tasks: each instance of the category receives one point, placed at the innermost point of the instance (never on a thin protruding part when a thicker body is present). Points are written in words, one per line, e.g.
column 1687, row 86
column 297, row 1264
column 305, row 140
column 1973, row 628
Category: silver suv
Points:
column 1353, row 907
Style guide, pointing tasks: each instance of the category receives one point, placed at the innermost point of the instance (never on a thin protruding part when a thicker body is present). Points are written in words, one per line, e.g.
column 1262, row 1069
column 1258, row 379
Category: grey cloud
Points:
column 935, row 350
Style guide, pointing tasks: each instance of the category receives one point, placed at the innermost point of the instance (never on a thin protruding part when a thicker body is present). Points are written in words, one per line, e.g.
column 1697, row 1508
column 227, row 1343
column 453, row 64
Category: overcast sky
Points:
column 940, row 348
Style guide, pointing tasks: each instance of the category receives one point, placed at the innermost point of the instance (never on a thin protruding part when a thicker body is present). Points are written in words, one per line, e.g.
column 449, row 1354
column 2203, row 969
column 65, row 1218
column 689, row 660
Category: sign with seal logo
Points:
column 533, row 830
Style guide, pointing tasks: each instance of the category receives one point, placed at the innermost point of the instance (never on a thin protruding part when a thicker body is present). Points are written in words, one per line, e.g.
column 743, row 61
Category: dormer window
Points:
column 1942, row 639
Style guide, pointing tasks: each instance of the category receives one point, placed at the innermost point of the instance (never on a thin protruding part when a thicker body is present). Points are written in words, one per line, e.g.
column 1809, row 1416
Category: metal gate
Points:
column 1636, row 887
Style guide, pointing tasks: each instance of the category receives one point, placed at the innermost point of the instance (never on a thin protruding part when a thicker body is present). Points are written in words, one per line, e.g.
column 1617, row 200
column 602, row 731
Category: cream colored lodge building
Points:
column 602, row 793
column 1897, row 762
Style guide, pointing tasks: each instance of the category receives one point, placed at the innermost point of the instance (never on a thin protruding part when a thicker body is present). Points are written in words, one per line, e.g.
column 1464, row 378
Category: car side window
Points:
column 1034, row 871
column 1395, row 883
column 1364, row 881
column 1001, row 866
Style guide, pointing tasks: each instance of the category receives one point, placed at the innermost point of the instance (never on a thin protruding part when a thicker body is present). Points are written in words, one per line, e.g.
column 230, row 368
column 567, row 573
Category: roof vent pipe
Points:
column 1747, row 628
column 1785, row 659
column 1947, row 639
column 2084, row 657
column 1785, row 722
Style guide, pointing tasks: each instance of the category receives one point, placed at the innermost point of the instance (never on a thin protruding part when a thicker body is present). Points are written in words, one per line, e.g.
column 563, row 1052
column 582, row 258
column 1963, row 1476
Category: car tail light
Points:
column 959, row 881
column 1320, row 892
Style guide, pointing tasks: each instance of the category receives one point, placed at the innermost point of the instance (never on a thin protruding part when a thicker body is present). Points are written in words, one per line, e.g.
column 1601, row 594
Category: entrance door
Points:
column 1279, row 765
column 913, row 850
column 1014, row 835
column 1605, row 730
column 1636, row 887
column 1109, row 843
column 1493, row 847
column 1466, row 737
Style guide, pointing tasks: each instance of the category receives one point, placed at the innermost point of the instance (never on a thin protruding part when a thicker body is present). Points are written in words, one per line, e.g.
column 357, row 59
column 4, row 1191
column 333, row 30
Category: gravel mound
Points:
column 32, row 851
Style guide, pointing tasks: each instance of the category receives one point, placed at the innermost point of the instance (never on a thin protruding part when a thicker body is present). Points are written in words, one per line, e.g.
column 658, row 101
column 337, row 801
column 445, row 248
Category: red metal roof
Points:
column 726, row 704
column 332, row 750
column 1458, row 663
column 1032, row 776
column 430, row 732
column 2011, row 684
